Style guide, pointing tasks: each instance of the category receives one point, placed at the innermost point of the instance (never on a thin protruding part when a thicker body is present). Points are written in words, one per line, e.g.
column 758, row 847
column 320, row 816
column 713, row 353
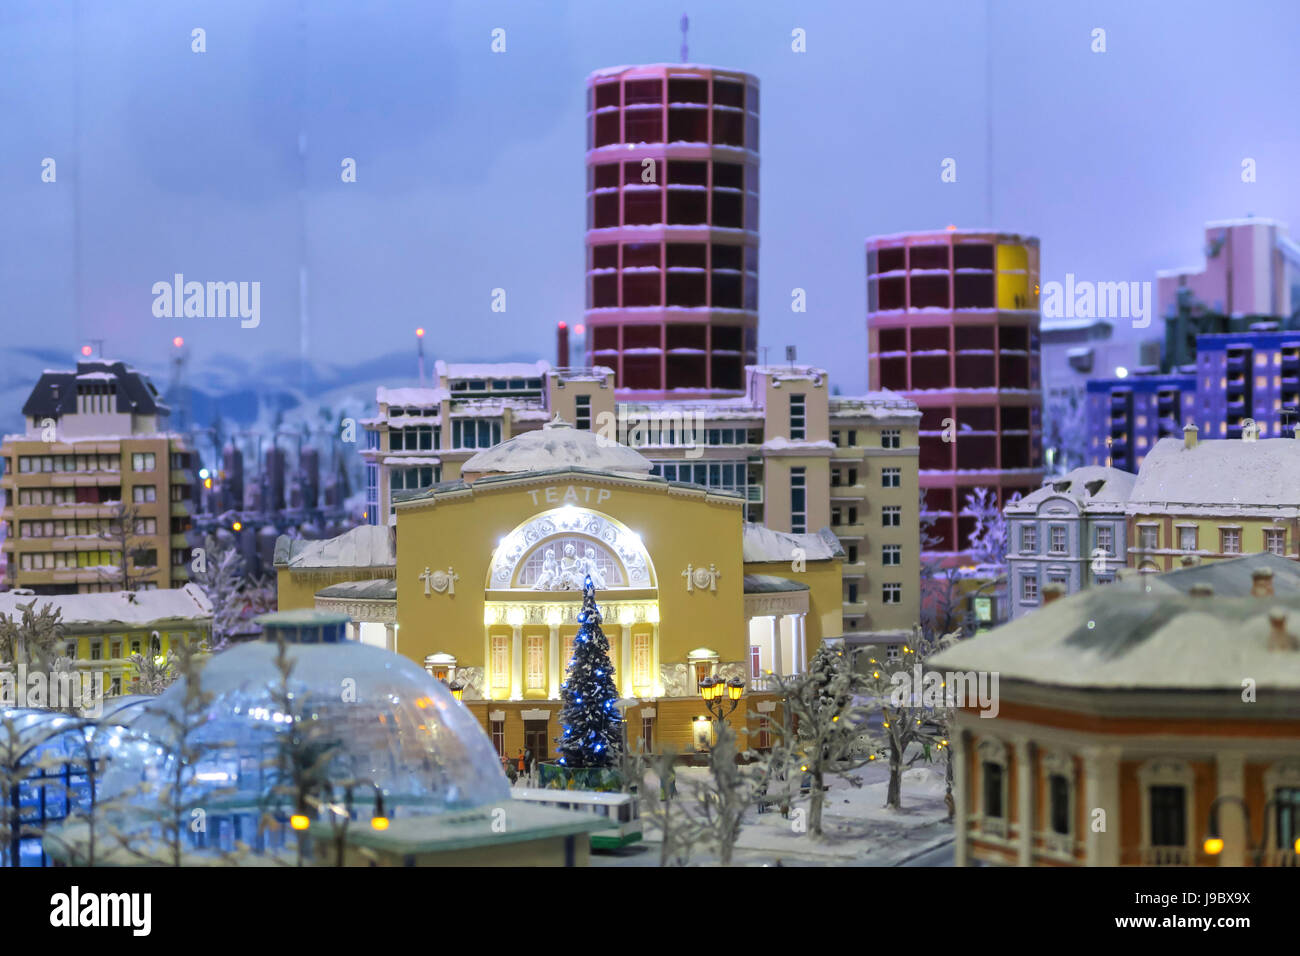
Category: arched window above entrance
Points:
column 562, row 562
column 617, row 554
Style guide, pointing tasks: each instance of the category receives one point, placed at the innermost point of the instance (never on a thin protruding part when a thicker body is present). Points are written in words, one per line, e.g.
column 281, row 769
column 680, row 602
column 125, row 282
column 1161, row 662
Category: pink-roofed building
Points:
column 1245, row 270
column 672, row 229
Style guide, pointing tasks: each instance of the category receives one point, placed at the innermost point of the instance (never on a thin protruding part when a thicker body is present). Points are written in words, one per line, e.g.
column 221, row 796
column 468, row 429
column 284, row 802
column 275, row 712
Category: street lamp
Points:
column 1213, row 844
column 718, row 693
column 457, row 689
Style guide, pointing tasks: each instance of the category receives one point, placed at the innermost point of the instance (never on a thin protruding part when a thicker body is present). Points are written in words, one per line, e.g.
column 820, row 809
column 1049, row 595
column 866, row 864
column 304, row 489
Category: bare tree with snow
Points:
column 664, row 811
column 153, row 675
column 990, row 538
column 913, row 721
column 721, row 800
column 821, row 737
column 219, row 570
column 31, row 637
column 304, row 750
column 135, row 562
column 1065, row 432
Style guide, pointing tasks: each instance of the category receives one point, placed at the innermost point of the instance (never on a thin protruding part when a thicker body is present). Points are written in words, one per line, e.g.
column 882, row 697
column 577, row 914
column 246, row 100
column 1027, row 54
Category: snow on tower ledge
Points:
column 556, row 445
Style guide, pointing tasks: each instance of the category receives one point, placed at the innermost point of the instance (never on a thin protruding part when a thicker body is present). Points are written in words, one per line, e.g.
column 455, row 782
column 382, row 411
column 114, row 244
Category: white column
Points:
column 487, row 663
column 776, row 647
column 1101, row 792
column 1231, row 770
column 960, row 743
column 1025, row 799
column 625, row 658
column 789, row 652
column 554, row 674
column 801, row 645
column 655, row 679
column 517, row 663
column 390, row 637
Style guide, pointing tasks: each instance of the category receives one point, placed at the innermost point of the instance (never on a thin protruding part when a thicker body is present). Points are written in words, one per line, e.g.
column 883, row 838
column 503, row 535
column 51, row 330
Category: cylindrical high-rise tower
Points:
column 672, row 228
column 952, row 324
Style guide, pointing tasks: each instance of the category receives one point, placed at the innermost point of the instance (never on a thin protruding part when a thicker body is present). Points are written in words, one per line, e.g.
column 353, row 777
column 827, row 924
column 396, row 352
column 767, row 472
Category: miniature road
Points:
column 647, row 854
column 935, row 856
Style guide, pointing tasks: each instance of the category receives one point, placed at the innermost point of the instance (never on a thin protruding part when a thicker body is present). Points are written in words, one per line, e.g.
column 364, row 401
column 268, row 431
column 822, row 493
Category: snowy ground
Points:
column 859, row 831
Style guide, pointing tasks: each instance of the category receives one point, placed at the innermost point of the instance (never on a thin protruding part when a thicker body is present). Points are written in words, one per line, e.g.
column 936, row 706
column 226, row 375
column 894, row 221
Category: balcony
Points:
column 1166, row 856
column 1286, row 857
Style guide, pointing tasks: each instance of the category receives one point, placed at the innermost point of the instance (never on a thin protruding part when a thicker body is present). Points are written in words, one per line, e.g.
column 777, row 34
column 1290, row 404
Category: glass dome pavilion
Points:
column 354, row 731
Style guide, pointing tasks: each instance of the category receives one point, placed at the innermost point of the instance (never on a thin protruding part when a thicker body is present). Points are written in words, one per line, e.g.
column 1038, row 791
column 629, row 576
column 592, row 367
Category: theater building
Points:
column 799, row 456
column 489, row 569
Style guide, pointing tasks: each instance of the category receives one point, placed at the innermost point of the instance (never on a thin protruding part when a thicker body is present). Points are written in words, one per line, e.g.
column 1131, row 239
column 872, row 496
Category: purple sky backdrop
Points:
column 470, row 164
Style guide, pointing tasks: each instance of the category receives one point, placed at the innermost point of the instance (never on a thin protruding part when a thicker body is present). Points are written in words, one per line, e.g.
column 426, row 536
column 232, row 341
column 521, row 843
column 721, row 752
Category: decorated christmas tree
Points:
column 590, row 719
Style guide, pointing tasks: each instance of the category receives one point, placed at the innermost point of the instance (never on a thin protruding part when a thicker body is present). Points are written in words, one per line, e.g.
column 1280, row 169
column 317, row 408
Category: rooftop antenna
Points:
column 686, row 25
column 419, row 343
column 765, row 355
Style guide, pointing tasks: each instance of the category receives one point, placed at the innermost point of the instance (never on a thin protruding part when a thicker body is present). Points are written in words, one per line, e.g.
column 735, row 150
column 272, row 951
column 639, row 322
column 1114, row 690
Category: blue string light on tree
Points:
column 589, row 718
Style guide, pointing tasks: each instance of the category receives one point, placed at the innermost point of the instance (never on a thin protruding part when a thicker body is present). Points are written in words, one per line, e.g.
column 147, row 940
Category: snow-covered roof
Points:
column 882, row 404
column 459, row 370
column 366, row 546
column 1091, row 488
column 1231, row 577
column 411, row 396
column 781, row 443
column 771, row 584
column 944, row 233
column 725, row 409
column 760, row 544
column 1247, row 221
column 1126, row 637
column 402, row 461
column 1220, row 476
column 557, row 444
column 381, row 589
column 1072, row 325
column 132, row 608
column 675, row 68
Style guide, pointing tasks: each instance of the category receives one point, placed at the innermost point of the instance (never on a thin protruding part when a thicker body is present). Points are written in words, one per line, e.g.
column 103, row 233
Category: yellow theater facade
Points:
column 488, row 585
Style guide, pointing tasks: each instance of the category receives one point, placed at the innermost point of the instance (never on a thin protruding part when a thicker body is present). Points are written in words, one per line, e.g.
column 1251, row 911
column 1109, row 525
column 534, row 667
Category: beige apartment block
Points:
column 92, row 445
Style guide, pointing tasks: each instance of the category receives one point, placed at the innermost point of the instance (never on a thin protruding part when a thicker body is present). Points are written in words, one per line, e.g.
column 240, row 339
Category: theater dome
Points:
column 359, row 715
column 556, row 445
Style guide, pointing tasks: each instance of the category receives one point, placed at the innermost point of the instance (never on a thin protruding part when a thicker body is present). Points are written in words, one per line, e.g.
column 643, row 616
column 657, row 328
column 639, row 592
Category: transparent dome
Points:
column 350, row 717
column 45, row 755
